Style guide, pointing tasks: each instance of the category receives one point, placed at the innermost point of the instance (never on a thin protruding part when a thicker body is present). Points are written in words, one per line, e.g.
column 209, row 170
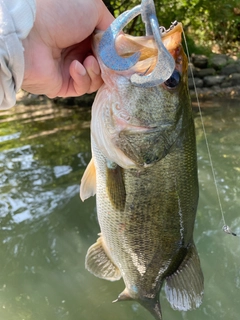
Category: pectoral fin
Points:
column 98, row 262
column 115, row 187
column 88, row 182
column 184, row 288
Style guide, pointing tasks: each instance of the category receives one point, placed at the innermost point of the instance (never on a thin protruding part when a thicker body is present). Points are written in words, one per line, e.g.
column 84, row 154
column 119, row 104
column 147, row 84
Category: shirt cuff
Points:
column 16, row 20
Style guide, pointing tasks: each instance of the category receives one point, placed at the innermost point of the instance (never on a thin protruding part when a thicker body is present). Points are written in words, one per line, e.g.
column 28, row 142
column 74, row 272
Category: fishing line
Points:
column 225, row 228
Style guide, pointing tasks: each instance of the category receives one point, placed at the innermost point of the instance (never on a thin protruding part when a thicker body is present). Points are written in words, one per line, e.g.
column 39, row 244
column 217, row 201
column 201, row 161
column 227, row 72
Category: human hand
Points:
column 58, row 55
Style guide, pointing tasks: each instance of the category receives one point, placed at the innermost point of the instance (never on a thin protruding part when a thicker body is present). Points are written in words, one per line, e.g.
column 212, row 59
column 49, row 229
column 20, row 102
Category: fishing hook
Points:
column 107, row 51
column 228, row 230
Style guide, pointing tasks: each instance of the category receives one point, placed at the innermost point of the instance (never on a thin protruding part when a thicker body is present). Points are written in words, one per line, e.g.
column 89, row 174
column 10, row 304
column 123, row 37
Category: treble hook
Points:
column 107, row 51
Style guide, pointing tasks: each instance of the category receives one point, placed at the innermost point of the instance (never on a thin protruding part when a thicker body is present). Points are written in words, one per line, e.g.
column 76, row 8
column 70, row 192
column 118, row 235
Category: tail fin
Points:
column 153, row 306
column 184, row 288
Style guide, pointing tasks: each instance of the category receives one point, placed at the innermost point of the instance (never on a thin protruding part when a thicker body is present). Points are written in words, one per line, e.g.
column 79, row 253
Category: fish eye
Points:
column 174, row 80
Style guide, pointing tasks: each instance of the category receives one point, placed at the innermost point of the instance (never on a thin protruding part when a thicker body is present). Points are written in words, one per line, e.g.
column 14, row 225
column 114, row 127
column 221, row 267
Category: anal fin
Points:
column 184, row 288
column 100, row 264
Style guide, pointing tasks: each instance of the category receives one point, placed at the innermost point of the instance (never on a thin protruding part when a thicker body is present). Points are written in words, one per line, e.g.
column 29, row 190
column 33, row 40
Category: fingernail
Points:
column 80, row 69
column 95, row 68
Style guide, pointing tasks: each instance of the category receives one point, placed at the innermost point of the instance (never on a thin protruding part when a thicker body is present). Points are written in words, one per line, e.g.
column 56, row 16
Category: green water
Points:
column 46, row 229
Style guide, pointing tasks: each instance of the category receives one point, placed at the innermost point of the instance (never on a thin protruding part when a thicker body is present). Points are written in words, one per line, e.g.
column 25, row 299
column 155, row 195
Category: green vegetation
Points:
column 209, row 25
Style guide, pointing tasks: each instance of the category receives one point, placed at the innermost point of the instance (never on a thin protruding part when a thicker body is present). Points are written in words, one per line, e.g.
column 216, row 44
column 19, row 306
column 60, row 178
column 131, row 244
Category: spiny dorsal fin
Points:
column 184, row 288
column 98, row 262
column 88, row 182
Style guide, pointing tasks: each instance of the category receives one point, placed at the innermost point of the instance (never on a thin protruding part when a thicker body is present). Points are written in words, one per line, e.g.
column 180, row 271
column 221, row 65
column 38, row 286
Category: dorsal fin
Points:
column 88, row 182
column 184, row 288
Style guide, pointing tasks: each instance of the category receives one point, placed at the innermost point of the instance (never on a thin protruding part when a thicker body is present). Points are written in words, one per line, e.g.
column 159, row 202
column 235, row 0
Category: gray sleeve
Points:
column 16, row 20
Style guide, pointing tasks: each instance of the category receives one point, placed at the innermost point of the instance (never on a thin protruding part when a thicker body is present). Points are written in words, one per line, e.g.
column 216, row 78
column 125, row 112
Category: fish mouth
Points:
column 165, row 62
column 145, row 46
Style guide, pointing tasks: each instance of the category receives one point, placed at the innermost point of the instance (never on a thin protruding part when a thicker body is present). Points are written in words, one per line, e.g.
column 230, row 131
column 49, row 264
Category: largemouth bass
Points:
column 144, row 173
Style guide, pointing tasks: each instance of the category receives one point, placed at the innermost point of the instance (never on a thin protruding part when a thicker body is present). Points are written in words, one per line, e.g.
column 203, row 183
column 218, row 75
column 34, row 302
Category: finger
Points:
column 86, row 78
column 105, row 17
column 92, row 67
column 81, row 81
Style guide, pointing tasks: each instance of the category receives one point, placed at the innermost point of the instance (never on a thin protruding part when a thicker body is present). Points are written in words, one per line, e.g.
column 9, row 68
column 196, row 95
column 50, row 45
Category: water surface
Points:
column 46, row 229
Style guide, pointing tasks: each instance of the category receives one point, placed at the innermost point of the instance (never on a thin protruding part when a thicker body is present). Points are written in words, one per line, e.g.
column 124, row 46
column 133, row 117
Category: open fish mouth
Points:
column 165, row 63
column 145, row 71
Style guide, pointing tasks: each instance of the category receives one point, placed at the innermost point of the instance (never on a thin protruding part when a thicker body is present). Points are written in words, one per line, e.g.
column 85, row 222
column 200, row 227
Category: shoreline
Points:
column 215, row 77
column 205, row 94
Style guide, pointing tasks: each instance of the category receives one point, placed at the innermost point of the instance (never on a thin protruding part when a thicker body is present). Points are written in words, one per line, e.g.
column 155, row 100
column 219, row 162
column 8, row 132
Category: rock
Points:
column 208, row 93
column 235, row 79
column 205, row 92
column 218, row 61
column 231, row 68
column 226, row 84
column 215, row 88
column 201, row 73
column 198, row 83
column 200, row 61
column 231, row 81
column 192, row 69
column 210, row 81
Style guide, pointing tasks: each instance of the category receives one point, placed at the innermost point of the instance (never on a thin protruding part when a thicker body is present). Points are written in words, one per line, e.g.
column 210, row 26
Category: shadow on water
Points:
column 46, row 229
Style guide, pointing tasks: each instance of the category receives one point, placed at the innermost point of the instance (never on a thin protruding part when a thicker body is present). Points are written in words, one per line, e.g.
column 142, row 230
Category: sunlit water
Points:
column 45, row 230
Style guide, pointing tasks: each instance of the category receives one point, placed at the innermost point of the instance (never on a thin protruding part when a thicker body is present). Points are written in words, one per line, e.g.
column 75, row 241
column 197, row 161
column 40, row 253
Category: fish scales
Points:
column 149, row 223
column 145, row 178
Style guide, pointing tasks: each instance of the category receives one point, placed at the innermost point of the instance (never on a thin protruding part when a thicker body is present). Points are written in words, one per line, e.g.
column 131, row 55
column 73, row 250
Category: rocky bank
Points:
column 214, row 76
